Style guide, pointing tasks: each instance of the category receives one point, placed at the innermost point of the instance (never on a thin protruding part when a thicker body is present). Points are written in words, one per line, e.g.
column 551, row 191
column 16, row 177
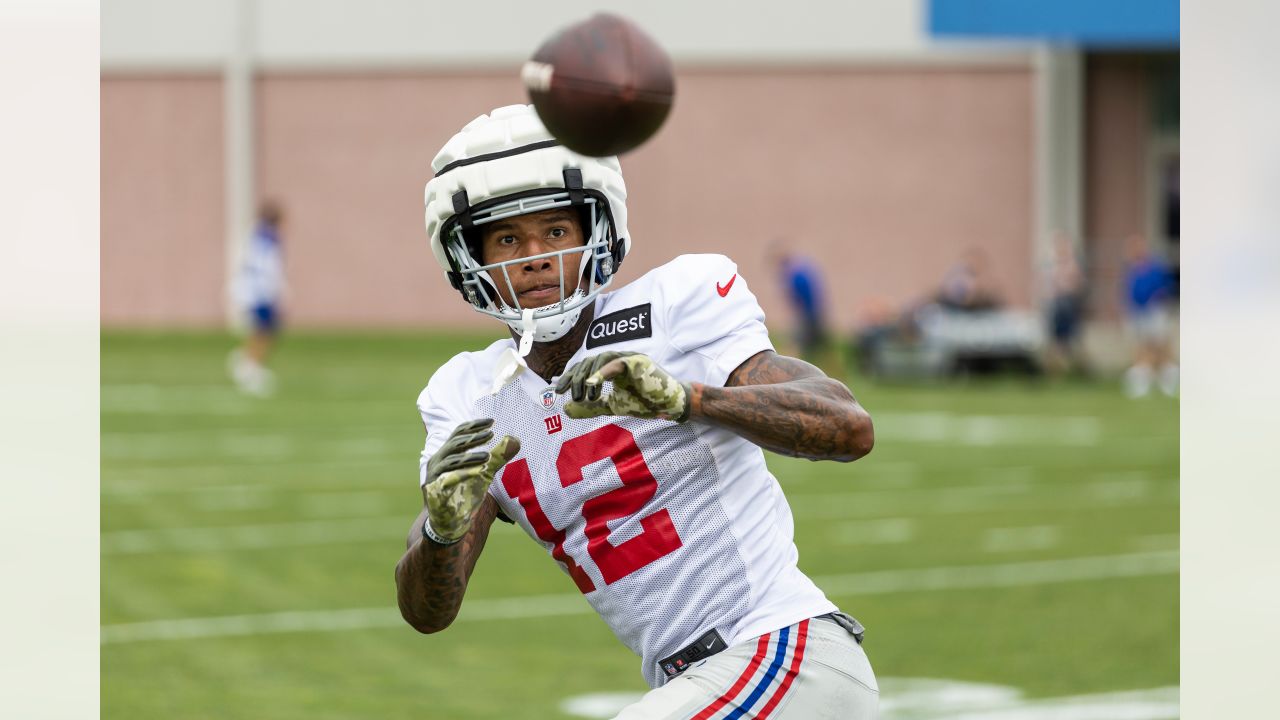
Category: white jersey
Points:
column 260, row 279
column 669, row 530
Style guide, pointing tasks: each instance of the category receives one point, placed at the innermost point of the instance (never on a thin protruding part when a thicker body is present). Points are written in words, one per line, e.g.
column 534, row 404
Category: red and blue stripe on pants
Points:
column 746, row 698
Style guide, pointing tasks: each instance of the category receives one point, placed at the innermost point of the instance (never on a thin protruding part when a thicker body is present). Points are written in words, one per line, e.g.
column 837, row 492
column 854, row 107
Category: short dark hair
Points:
column 270, row 213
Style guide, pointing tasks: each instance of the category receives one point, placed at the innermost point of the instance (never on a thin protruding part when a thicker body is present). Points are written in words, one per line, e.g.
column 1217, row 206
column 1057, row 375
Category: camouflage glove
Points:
column 457, row 480
column 640, row 388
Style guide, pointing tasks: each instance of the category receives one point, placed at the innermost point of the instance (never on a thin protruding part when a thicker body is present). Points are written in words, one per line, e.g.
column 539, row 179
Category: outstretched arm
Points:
column 431, row 578
column 787, row 406
column 446, row 539
column 777, row 402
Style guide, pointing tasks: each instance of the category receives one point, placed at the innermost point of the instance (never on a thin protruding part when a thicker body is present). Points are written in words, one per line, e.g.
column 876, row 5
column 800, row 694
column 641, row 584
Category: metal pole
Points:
column 237, row 82
column 1059, row 156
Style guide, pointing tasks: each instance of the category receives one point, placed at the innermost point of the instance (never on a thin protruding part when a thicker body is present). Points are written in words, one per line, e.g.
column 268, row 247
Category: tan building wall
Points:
column 163, row 248
column 886, row 172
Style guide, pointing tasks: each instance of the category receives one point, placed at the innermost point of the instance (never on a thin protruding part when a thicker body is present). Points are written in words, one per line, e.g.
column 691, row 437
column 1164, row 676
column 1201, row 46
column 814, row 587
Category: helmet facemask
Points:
column 506, row 164
column 478, row 282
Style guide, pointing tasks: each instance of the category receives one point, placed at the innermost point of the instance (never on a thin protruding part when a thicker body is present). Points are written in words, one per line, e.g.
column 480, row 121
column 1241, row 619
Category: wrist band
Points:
column 431, row 535
column 688, row 403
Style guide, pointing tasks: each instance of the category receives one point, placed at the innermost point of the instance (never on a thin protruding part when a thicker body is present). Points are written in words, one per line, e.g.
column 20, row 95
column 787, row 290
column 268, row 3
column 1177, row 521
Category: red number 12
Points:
column 658, row 536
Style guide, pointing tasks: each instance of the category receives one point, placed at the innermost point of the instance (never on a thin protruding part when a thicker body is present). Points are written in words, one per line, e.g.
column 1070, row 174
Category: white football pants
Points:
column 813, row 670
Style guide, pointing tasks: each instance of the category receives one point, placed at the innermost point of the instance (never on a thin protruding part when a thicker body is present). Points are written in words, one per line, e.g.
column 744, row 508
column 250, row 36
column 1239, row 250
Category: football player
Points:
column 258, row 287
column 623, row 432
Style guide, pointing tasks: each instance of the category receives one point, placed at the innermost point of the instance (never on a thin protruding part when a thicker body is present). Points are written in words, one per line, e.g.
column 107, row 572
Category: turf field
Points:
column 1013, row 540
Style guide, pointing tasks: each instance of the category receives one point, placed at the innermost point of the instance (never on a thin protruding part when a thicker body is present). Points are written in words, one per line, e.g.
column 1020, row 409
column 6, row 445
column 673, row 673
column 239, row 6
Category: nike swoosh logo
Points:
column 725, row 290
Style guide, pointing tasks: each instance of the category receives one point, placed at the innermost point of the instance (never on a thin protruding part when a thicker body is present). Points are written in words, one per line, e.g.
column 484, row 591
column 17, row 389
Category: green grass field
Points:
column 1000, row 533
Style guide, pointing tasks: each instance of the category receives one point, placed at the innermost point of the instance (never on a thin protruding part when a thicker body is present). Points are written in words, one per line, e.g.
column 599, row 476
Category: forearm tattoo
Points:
column 789, row 407
column 431, row 579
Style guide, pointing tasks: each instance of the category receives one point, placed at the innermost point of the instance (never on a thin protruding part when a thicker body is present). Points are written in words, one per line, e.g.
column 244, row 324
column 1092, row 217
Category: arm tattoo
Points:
column 790, row 407
column 770, row 368
column 431, row 579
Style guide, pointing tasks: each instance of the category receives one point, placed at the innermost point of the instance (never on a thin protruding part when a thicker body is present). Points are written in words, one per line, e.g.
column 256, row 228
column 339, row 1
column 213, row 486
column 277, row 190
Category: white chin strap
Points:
column 543, row 329
column 546, row 328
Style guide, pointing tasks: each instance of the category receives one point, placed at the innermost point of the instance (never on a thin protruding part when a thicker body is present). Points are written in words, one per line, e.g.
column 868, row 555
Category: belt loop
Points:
column 846, row 621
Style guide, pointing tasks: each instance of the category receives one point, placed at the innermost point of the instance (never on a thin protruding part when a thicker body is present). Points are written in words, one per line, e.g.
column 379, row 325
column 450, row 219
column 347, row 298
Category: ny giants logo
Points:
column 554, row 424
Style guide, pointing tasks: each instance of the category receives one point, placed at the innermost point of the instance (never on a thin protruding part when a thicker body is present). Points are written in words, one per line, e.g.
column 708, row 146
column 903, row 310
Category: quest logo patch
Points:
column 632, row 323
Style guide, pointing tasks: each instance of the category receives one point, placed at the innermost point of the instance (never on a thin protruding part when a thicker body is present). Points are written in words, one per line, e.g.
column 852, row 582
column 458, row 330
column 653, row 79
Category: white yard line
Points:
column 1120, row 492
column 1153, row 704
column 147, row 399
column 204, row 400
column 183, row 478
column 1150, row 543
column 333, row 429
column 988, row 430
column 238, row 499
column 260, row 446
column 1020, row 539
column 311, row 503
column 908, row 501
column 881, row 531
column 1040, row 572
column 362, row 503
column 1016, row 494
column 148, row 447
column 529, row 606
column 536, row 606
column 255, row 537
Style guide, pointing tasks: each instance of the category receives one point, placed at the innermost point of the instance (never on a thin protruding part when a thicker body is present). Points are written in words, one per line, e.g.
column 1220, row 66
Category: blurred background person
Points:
column 802, row 285
column 1149, row 301
column 968, row 286
column 257, row 288
column 878, row 323
column 1066, row 307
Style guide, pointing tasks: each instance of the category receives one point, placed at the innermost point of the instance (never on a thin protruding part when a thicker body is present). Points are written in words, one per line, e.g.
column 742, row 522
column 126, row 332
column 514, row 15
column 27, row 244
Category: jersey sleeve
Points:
column 713, row 321
column 443, row 407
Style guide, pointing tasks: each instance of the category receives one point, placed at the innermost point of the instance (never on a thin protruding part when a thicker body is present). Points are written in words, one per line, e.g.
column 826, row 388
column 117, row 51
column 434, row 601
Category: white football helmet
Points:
column 505, row 164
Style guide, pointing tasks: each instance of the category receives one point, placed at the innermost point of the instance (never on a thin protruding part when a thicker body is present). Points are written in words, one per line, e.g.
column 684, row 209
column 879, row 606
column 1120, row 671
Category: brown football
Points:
column 601, row 86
